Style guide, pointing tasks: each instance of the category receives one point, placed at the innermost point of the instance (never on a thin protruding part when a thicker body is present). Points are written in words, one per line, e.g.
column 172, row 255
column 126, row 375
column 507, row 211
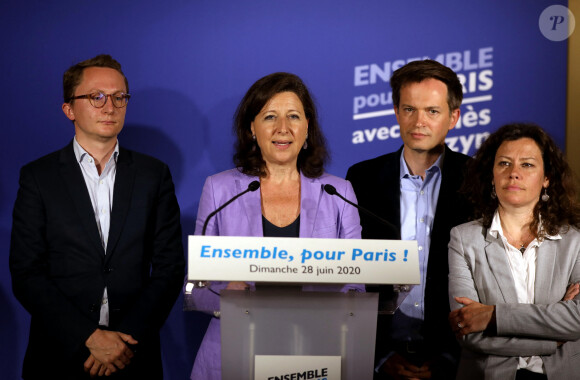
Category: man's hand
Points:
column 95, row 367
column 398, row 368
column 108, row 352
column 473, row 317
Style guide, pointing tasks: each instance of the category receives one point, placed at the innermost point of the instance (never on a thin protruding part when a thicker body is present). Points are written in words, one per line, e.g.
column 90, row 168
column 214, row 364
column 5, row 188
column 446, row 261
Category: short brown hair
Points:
column 418, row 71
column 73, row 76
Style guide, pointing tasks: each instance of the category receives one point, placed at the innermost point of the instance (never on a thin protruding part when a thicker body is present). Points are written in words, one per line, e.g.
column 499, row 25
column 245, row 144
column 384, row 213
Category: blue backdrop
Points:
column 189, row 62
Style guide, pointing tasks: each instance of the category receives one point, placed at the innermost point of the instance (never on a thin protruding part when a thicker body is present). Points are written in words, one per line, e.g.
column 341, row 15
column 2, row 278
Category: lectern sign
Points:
column 303, row 260
column 295, row 367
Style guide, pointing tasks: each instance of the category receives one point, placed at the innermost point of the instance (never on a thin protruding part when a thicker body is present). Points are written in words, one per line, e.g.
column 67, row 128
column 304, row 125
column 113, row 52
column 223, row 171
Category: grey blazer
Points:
column 479, row 269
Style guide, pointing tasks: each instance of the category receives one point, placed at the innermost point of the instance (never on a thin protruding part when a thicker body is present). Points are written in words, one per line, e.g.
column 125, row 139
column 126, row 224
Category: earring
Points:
column 493, row 194
column 305, row 146
column 254, row 137
column 545, row 196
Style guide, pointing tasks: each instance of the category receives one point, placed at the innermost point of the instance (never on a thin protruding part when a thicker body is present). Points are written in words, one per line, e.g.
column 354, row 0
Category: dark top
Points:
column 291, row 230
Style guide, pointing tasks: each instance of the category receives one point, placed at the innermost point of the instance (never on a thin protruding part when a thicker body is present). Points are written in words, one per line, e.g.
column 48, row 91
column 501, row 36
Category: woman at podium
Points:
column 281, row 148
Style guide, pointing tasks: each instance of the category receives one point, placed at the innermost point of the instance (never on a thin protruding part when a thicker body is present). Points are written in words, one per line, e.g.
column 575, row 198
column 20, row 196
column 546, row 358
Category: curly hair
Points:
column 418, row 71
column 248, row 156
column 73, row 76
column 558, row 213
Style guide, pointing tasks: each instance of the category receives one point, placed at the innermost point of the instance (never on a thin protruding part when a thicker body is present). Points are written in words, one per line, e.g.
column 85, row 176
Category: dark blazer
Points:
column 60, row 269
column 376, row 184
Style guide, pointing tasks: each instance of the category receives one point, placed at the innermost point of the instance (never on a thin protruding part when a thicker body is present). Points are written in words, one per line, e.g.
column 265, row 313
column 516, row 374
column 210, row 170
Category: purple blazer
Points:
column 321, row 216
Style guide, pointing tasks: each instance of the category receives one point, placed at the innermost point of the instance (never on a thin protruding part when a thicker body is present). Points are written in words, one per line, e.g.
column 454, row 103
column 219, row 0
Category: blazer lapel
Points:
column 310, row 193
column 75, row 183
column 447, row 192
column 546, row 260
column 124, row 181
column 389, row 177
column 500, row 268
column 251, row 204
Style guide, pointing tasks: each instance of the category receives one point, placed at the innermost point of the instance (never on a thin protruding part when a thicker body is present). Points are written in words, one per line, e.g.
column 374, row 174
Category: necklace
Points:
column 522, row 244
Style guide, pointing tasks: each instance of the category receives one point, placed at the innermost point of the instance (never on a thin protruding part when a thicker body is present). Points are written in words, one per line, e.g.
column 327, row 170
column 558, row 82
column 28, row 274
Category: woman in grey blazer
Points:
column 514, row 273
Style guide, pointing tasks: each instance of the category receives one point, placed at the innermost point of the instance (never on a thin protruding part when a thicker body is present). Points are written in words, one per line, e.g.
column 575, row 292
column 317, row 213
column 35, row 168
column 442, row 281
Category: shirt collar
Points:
column 404, row 169
column 495, row 229
column 82, row 154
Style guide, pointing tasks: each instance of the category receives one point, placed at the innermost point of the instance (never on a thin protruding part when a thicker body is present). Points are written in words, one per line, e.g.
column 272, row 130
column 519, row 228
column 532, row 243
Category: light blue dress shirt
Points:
column 100, row 189
column 418, row 203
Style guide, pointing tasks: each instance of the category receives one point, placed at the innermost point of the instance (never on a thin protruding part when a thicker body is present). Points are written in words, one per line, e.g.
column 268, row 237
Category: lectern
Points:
column 305, row 314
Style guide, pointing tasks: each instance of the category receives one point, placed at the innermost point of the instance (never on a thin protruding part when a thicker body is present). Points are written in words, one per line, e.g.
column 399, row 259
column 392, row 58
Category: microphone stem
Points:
column 368, row 213
column 220, row 208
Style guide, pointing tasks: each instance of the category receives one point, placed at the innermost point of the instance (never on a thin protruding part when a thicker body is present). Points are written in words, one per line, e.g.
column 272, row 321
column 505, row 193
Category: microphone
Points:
column 253, row 186
column 392, row 229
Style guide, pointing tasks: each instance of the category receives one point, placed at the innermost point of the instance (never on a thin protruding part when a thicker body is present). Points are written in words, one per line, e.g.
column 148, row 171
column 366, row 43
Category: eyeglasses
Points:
column 99, row 99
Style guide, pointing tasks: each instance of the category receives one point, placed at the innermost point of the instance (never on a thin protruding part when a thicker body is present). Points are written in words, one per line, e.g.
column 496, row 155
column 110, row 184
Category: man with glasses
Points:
column 96, row 255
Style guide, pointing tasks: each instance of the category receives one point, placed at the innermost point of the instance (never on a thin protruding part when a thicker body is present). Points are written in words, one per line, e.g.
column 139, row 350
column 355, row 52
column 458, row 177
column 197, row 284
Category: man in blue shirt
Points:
column 416, row 189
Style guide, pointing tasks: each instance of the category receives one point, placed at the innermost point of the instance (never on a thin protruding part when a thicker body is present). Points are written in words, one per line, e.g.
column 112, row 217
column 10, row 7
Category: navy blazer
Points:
column 376, row 183
column 60, row 269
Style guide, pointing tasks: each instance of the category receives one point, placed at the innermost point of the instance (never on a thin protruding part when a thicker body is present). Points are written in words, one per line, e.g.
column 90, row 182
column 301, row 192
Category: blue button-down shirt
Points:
column 418, row 203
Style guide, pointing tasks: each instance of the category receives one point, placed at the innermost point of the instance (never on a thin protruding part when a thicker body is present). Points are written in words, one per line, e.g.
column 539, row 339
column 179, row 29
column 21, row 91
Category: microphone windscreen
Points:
column 330, row 189
column 254, row 185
